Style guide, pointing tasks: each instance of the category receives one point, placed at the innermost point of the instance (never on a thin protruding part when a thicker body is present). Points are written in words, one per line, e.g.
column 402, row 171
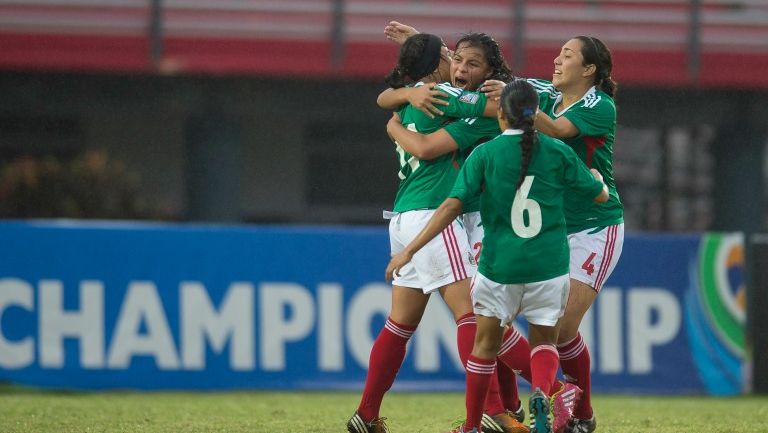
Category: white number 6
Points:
column 520, row 205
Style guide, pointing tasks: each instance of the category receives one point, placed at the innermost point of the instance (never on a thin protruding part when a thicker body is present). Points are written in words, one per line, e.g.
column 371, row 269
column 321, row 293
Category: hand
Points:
column 596, row 174
column 392, row 123
column 492, row 89
column 397, row 32
column 396, row 263
column 425, row 98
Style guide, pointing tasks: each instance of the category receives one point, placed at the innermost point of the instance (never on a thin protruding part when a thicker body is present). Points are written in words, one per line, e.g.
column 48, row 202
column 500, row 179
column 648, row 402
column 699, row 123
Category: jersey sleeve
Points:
column 462, row 103
column 547, row 93
column 594, row 117
column 469, row 132
column 577, row 176
column 469, row 182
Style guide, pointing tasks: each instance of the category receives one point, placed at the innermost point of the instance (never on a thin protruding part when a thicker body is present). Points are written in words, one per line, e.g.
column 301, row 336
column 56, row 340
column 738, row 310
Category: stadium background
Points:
column 261, row 112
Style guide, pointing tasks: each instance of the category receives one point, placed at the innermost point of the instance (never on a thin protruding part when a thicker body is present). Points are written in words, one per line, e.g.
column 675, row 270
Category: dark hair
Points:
column 519, row 102
column 595, row 52
column 419, row 56
column 492, row 52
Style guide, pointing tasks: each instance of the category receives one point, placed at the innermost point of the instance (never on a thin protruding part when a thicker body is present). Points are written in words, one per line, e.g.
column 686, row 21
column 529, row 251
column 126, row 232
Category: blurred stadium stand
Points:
column 284, row 91
column 670, row 42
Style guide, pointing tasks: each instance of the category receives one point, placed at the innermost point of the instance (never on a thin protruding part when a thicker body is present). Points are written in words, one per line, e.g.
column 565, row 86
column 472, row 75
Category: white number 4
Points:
column 524, row 204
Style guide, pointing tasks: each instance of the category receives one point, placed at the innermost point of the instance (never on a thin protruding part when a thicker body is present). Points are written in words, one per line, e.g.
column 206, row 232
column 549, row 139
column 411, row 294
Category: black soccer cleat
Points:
column 581, row 425
column 356, row 424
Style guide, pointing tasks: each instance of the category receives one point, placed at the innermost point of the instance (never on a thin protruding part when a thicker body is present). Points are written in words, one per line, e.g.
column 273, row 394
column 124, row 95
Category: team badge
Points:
column 469, row 98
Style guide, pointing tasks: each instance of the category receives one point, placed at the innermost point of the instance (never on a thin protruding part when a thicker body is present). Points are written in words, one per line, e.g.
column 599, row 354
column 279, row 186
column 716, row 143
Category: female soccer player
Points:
column 581, row 112
column 521, row 177
column 577, row 107
column 477, row 58
column 446, row 264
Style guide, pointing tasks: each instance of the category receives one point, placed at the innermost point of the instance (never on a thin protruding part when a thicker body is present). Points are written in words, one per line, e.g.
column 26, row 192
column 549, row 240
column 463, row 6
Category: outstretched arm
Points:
column 421, row 146
column 558, row 128
column 423, row 98
column 443, row 216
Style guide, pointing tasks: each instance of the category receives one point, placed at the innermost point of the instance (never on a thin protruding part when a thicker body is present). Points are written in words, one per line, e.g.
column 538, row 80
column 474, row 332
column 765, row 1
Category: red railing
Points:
column 654, row 42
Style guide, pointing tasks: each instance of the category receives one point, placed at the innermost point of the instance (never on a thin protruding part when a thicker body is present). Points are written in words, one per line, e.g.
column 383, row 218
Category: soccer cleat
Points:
column 357, row 425
column 460, row 429
column 538, row 408
column 519, row 414
column 504, row 422
column 562, row 403
column 581, row 425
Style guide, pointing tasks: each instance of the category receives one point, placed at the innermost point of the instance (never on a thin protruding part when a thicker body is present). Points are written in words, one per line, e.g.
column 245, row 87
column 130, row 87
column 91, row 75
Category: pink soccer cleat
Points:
column 563, row 403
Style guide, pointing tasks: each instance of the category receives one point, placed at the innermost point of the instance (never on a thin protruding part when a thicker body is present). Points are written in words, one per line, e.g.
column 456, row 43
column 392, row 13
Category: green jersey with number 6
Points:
column 525, row 233
column 424, row 184
column 595, row 117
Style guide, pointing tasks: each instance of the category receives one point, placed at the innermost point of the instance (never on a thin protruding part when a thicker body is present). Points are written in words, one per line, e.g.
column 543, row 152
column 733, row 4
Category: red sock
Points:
column 510, row 396
column 479, row 372
column 544, row 363
column 465, row 336
column 387, row 355
column 575, row 361
column 517, row 352
column 493, row 403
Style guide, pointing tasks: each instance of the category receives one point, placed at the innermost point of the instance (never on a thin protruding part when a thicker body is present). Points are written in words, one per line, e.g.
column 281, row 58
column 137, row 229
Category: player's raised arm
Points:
column 398, row 32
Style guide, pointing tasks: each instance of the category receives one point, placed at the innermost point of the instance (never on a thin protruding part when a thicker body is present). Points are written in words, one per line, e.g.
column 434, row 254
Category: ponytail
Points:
column 527, row 143
column 594, row 52
column 396, row 78
column 419, row 56
column 519, row 102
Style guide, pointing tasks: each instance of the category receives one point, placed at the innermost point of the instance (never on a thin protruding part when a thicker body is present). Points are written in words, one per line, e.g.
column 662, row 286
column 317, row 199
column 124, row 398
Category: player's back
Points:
column 525, row 231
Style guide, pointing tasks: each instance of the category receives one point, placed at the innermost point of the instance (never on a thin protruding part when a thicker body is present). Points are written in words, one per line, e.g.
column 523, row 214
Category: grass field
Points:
column 327, row 412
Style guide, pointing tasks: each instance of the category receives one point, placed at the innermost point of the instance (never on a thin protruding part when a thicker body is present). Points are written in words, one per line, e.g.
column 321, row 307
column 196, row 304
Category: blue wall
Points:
column 113, row 305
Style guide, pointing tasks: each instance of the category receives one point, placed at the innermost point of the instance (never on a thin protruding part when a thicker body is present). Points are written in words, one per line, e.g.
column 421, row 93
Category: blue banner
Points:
column 155, row 306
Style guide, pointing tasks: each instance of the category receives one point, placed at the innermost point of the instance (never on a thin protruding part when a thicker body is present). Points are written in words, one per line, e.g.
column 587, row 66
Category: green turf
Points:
column 262, row 412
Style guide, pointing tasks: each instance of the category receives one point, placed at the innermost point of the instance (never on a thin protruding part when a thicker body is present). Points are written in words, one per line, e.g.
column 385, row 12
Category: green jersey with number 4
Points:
column 595, row 117
column 525, row 232
column 424, row 184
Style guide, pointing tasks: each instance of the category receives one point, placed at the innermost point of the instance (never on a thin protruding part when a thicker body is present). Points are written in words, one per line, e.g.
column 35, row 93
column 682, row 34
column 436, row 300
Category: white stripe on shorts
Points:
column 610, row 244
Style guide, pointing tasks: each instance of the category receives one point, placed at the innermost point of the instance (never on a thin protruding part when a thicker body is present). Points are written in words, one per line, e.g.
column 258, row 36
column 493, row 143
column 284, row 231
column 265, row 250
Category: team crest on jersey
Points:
column 469, row 98
column 471, row 258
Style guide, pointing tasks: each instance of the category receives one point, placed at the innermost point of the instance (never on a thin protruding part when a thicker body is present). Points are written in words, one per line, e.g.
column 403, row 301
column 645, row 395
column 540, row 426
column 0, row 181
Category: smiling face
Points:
column 469, row 67
column 569, row 66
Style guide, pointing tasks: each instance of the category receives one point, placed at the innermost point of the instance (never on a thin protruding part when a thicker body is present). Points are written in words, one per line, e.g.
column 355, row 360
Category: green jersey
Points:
column 525, row 231
column 424, row 184
column 594, row 115
column 468, row 133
